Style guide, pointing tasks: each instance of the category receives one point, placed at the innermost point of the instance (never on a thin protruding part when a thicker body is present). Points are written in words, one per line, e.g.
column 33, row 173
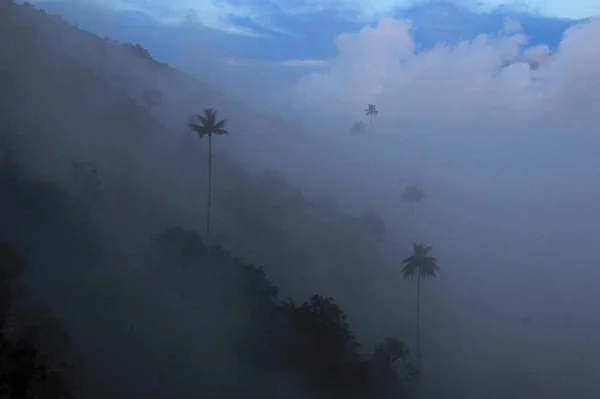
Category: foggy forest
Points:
column 404, row 222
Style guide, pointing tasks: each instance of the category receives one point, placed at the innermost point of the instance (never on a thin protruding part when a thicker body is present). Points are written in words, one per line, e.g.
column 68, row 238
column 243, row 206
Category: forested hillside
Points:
column 97, row 173
column 144, row 151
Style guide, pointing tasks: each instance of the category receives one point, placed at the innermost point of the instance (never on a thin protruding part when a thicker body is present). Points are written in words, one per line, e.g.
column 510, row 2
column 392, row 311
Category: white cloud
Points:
column 480, row 119
column 305, row 63
column 512, row 26
column 380, row 65
column 364, row 62
column 368, row 11
column 214, row 14
column 291, row 63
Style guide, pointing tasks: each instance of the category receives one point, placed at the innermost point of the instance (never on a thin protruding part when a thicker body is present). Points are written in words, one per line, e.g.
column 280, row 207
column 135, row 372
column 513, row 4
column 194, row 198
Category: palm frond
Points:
column 419, row 263
column 358, row 127
column 429, row 269
column 410, row 270
column 210, row 115
column 208, row 124
column 199, row 129
column 202, row 118
column 413, row 193
column 408, row 260
column 220, row 128
column 371, row 110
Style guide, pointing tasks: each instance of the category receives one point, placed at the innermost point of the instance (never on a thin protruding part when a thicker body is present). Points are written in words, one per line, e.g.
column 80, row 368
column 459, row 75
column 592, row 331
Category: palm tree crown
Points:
column 413, row 194
column 208, row 124
column 420, row 263
column 371, row 112
column 358, row 128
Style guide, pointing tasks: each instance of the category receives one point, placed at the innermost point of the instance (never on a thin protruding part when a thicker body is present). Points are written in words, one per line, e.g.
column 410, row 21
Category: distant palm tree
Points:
column 371, row 112
column 421, row 265
column 412, row 195
column 358, row 128
column 207, row 127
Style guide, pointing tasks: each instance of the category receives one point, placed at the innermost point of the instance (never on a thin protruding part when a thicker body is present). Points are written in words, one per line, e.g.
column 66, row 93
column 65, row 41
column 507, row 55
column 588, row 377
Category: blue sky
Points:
column 256, row 16
column 303, row 30
column 233, row 41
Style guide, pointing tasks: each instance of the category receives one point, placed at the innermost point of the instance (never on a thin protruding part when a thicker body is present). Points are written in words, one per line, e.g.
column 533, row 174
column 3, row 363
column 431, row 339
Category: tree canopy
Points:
column 208, row 124
column 420, row 262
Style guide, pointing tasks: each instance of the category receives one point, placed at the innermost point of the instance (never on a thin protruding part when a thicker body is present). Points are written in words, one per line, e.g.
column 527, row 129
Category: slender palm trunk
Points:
column 419, row 321
column 209, row 189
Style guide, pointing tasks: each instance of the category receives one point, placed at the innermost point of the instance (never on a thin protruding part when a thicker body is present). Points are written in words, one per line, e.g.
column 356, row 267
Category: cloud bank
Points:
column 503, row 135
column 381, row 64
column 491, row 105
column 479, row 88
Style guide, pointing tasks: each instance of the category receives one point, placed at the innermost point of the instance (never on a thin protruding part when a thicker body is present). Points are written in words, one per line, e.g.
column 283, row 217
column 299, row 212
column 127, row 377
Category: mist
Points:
column 501, row 134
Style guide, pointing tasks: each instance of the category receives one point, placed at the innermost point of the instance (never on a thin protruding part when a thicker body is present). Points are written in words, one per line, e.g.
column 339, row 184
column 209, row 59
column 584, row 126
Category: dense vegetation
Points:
column 35, row 358
column 310, row 341
column 84, row 229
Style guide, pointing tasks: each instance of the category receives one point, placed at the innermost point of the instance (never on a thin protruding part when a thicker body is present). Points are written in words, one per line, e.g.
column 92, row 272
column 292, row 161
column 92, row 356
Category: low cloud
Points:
column 487, row 79
column 503, row 136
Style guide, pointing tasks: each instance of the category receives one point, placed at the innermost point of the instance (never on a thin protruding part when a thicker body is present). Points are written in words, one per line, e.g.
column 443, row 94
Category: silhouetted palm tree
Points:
column 358, row 128
column 420, row 265
column 412, row 195
column 207, row 127
column 371, row 112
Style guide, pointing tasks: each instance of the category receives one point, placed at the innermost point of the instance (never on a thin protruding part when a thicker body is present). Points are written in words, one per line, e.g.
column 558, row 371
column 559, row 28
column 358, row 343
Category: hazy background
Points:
column 493, row 113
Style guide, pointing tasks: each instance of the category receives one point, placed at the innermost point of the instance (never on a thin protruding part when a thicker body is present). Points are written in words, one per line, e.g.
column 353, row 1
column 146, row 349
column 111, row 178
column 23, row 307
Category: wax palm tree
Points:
column 420, row 265
column 358, row 127
column 209, row 126
column 371, row 112
column 412, row 195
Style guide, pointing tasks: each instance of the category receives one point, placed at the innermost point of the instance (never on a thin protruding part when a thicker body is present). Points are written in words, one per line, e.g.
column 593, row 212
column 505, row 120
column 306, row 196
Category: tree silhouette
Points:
column 371, row 112
column 358, row 128
column 207, row 127
column 420, row 265
column 138, row 50
column 321, row 345
column 12, row 266
column 412, row 195
column 34, row 349
column 390, row 367
column 312, row 341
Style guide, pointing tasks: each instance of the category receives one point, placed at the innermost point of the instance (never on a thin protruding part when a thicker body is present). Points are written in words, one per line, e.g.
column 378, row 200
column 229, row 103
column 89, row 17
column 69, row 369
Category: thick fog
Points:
column 502, row 136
